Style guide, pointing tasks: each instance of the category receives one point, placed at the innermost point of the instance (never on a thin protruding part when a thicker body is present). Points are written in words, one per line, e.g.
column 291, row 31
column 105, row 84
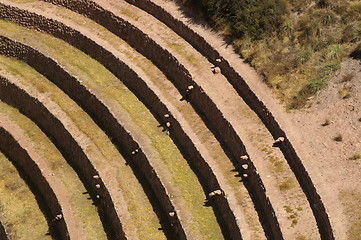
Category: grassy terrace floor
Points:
column 102, row 83
column 143, row 217
column 19, row 210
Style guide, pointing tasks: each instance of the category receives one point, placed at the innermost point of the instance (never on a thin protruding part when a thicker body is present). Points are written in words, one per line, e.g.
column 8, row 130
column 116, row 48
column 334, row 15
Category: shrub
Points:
column 286, row 185
column 243, row 18
column 355, row 156
column 296, row 45
column 344, row 93
column 338, row 137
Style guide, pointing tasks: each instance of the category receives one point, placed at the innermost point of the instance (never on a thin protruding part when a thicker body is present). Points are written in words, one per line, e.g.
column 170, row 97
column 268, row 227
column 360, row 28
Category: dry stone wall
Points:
column 182, row 79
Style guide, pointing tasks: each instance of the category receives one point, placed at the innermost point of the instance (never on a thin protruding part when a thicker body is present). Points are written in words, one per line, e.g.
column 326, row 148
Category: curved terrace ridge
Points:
column 215, row 117
column 3, row 234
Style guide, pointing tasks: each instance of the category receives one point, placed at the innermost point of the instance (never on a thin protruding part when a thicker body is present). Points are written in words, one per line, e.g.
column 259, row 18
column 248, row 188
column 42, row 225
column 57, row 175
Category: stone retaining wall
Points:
column 200, row 44
column 3, row 234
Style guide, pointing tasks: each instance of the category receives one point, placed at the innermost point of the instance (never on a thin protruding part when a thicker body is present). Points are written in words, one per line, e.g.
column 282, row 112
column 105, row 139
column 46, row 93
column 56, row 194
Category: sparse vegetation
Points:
column 286, row 185
column 338, row 137
column 344, row 93
column 293, row 215
column 355, row 156
column 288, row 209
column 296, row 45
column 301, row 237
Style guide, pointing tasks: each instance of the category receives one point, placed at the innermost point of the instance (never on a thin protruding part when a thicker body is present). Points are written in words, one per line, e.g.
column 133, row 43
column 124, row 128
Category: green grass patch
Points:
column 19, row 211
